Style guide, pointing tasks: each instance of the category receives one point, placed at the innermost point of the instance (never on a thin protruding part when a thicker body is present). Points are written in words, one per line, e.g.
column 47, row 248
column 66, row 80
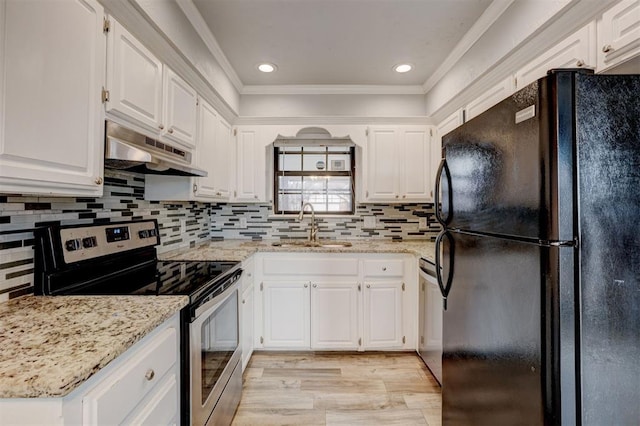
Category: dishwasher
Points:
column 430, row 327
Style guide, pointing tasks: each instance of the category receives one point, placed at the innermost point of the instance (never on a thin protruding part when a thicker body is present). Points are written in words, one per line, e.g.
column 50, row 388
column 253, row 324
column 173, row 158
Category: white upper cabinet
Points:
column 213, row 154
column 397, row 164
column 251, row 172
column 223, row 159
column 51, row 114
column 489, row 98
column 619, row 34
column 382, row 181
column 576, row 51
column 134, row 79
column 146, row 93
column 180, row 107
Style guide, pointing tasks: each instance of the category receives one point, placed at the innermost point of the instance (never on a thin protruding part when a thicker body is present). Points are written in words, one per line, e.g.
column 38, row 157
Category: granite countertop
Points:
column 239, row 250
column 49, row 345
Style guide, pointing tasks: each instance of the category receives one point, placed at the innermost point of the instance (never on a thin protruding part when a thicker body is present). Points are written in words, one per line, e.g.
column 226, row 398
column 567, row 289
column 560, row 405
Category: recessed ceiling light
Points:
column 402, row 68
column 267, row 67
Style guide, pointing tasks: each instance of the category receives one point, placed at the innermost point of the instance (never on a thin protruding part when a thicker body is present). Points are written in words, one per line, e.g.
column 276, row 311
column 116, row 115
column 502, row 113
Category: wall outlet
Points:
column 242, row 222
column 422, row 224
column 370, row 222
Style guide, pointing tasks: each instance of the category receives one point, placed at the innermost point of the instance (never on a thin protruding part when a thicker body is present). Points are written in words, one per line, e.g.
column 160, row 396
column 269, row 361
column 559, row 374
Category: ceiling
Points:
column 338, row 42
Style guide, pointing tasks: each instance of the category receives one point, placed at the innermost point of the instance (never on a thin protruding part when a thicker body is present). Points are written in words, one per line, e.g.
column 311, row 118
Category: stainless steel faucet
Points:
column 313, row 226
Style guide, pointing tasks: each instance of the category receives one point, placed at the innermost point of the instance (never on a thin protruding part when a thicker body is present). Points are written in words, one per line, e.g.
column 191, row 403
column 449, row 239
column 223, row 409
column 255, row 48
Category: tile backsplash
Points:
column 123, row 200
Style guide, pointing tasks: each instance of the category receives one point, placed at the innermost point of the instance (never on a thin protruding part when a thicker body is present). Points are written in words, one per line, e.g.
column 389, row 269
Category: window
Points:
column 322, row 175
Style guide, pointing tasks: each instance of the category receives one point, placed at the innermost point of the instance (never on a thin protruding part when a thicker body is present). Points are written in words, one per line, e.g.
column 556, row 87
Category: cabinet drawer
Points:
column 326, row 266
column 161, row 408
column 384, row 268
column 112, row 400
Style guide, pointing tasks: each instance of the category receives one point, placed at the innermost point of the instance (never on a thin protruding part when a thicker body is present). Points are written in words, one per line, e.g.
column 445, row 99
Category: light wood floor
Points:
column 329, row 388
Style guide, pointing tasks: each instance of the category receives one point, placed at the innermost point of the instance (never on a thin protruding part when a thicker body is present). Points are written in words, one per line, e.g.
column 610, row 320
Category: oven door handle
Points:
column 198, row 310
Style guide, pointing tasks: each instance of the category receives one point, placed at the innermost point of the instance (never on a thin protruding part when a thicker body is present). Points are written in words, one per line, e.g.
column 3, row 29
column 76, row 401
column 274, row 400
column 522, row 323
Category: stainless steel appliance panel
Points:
column 430, row 317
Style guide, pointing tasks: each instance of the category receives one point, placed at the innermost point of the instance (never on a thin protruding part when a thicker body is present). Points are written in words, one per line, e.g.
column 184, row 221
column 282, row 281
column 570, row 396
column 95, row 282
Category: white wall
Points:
column 332, row 105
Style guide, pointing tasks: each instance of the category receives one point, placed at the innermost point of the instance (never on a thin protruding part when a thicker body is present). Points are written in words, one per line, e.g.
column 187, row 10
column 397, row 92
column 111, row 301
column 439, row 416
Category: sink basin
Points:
column 305, row 243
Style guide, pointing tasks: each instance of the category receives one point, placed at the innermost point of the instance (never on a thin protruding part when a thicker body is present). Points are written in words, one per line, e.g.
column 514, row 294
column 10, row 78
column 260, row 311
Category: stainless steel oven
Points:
column 215, row 369
column 120, row 258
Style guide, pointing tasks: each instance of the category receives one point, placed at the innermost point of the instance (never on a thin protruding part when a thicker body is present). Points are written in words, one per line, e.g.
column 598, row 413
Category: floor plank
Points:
column 338, row 388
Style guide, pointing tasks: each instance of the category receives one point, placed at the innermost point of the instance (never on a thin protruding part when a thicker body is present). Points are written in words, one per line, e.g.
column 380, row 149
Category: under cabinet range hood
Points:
column 126, row 149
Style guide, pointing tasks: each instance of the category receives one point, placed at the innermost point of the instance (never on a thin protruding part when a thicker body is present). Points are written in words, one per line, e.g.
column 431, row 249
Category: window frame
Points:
column 349, row 150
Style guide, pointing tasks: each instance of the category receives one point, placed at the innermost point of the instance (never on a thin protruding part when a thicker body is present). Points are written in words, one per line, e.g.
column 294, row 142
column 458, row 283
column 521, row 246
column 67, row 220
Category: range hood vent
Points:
column 125, row 149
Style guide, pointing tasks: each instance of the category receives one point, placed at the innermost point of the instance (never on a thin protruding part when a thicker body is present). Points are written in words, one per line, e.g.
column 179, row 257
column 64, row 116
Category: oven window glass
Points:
column 219, row 341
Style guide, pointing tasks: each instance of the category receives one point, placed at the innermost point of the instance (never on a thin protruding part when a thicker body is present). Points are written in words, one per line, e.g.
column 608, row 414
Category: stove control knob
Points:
column 89, row 242
column 144, row 233
column 73, row 245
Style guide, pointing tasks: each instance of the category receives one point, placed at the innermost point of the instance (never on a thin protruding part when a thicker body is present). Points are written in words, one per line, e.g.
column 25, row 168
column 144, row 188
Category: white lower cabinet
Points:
column 334, row 315
column 247, row 326
column 286, row 314
column 383, row 315
column 319, row 301
column 141, row 386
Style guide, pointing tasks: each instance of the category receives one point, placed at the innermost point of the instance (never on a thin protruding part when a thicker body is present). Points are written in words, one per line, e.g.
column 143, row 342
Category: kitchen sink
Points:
column 328, row 244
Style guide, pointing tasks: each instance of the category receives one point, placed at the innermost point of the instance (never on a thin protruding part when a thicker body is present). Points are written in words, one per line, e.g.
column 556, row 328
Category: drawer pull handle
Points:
column 171, row 131
column 580, row 63
column 384, row 269
column 607, row 48
column 150, row 374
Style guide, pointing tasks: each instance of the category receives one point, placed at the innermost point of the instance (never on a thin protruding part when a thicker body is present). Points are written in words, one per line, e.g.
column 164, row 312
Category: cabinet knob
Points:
column 171, row 131
column 150, row 374
column 315, row 285
column 98, row 181
column 368, row 285
column 161, row 127
column 607, row 48
column 306, row 285
column 218, row 193
column 255, row 196
column 397, row 196
column 384, row 269
column 404, row 196
column 243, row 301
column 580, row 63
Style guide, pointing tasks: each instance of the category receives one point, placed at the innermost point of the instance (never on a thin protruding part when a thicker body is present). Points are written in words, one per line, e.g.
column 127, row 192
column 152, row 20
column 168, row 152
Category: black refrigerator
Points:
column 539, row 257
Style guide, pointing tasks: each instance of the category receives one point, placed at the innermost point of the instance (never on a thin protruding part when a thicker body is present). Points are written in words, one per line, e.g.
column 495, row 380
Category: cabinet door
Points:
column 334, row 315
column 247, row 326
column 134, row 79
column 577, row 50
column 415, row 166
column 383, row 315
column 489, row 98
column 223, row 159
column 206, row 151
column 180, row 109
column 251, row 171
column 51, row 114
column 382, row 164
column 286, row 314
column 619, row 34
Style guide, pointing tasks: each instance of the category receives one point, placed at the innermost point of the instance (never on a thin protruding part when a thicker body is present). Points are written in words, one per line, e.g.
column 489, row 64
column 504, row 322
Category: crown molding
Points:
column 486, row 20
column 201, row 27
column 332, row 120
column 337, row 89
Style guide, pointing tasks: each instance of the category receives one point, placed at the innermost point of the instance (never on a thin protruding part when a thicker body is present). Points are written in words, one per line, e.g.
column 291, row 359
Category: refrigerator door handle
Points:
column 444, row 288
column 438, row 208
